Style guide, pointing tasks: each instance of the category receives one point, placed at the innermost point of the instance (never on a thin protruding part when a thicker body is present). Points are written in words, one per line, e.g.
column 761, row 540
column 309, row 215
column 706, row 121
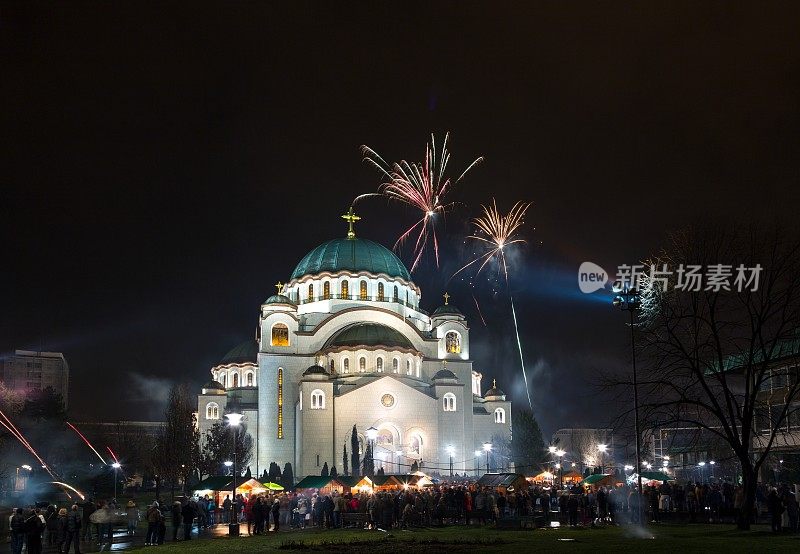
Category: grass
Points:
column 670, row 539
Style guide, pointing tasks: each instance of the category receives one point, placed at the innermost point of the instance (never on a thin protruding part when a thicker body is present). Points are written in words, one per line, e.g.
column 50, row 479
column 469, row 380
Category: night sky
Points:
column 164, row 164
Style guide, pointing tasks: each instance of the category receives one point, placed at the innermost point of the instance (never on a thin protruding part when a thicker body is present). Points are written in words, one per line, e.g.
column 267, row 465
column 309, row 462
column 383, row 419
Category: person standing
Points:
column 61, row 529
column 88, row 509
column 176, row 519
column 153, row 520
column 226, row 509
column 17, row 525
column 132, row 515
column 188, row 517
column 33, row 532
column 775, row 507
column 276, row 513
column 74, row 522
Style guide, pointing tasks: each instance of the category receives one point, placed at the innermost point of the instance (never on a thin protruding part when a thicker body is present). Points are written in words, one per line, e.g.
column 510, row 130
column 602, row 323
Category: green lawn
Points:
column 666, row 538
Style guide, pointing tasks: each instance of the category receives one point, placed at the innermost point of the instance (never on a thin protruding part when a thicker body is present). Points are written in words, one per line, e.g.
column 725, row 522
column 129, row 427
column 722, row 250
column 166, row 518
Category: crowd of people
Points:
column 66, row 528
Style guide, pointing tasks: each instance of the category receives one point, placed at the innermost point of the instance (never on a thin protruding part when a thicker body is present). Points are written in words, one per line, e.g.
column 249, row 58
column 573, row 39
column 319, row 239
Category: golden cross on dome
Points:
column 350, row 217
column 446, row 298
column 279, row 286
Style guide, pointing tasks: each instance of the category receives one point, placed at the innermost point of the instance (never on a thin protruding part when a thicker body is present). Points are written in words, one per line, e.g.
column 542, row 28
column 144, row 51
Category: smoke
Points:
column 149, row 395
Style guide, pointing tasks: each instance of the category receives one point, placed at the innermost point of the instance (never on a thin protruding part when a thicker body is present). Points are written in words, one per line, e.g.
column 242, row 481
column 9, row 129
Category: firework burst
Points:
column 7, row 423
column 497, row 232
column 423, row 186
column 71, row 426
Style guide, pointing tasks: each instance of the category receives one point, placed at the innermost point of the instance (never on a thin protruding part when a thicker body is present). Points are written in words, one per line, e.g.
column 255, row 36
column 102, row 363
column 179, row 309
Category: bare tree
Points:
column 708, row 353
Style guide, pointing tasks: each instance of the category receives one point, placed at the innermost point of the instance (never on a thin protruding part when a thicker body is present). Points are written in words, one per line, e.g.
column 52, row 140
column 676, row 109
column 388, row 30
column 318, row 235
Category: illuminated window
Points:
column 223, row 379
column 345, row 290
column 396, row 294
column 379, row 365
column 250, row 378
column 235, row 380
column 452, row 343
column 280, row 402
column 408, row 367
column 311, row 293
column 362, row 364
column 317, row 400
column 280, row 335
column 212, row 410
column 363, row 290
column 395, row 365
column 332, row 365
column 449, row 402
column 380, row 292
column 346, row 365
column 499, row 415
column 326, row 290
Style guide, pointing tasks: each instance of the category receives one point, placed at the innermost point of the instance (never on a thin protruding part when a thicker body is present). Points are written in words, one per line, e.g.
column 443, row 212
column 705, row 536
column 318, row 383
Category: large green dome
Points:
column 368, row 334
column 351, row 255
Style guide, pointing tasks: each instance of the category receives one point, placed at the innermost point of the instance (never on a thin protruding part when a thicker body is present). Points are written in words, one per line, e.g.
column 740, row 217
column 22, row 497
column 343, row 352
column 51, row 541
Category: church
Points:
column 343, row 343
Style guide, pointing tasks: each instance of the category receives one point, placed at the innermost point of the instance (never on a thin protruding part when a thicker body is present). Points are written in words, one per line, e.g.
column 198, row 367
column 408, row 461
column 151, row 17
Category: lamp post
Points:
column 628, row 299
column 712, row 463
column 702, row 466
column 372, row 434
column 477, row 462
column 487, row 447
column 602, row 448
column 451, row 451
column 234, row 420
column 116, row 466
column 560, row 454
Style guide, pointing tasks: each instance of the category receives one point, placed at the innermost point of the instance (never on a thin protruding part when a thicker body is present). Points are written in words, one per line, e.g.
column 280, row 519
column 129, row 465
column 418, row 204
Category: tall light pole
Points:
column 628, row 299
column 602, row 448
column 487, row 447
column 477, row 462
column 234, row 420
column 116, row 466
column 451, row 451
column 372, row 434
column 712, row 463
column 560, row 454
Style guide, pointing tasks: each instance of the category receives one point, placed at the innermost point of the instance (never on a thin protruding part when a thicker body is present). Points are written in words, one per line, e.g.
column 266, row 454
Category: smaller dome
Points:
column 247, row 352
column 494, row 392
column 447, row 309
column 445, row 374
column 279, row 299
column 315, row 370
column 213, row 385
column 369, row 335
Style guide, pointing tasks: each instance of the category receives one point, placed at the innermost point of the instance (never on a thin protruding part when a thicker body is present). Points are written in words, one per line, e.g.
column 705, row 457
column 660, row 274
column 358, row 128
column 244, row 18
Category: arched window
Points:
column 222, row 379
column 311, row 292
column 418, row 364
column 415, row 446
column 317, row 400
column 408, row 367
column 326, row 290
column 395, row 365
column 235, row 380
column 363, row 290
column 332, row 365
column 212, row 410
column 396, row 294
column 346, row 365
column 379, row 365
column 452, row 343
column 380, row 292
column 362, row 364
column 449, row 402
column 280, row 335
column 499, row 415
column 250, row 379
column 345, row 290
column 280, row 402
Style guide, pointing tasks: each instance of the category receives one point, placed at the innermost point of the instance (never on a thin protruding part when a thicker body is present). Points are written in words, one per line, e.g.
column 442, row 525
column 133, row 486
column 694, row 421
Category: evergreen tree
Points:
column 324, row 472
column 381, row 471
column 369, row 462
column 355, row 460
column 344, row 460
column 414, row 467
column 178, row 450
column 334, row 473
column 218, row 448
column 247, row 474
column 287, row 479
column 274, row 472
column 44, row 404
column 527, row 445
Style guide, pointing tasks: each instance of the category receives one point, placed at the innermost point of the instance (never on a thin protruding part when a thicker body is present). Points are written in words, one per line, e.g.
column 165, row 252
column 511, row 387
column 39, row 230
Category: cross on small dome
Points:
column 350, row 217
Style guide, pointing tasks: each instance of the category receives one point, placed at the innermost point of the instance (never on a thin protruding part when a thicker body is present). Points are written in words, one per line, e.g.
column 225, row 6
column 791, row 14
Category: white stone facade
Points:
column 387, row 381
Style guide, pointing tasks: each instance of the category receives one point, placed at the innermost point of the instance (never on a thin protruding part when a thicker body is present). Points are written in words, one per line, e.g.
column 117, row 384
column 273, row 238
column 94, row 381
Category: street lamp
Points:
column 627, row 299
column 234, row 420
column 560, row 453
column 451, row 451
column 712, row 463
column 602, row 448
column 487, row 447
column 372, row 434
column 477, row 462
column 116, row 466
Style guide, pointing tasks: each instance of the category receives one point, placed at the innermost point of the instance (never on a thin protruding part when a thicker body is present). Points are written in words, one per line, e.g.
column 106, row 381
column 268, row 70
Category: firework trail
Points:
column 423, row 186
column 70, row 487
column 6, row 422
column 71, row 426
column 498, row 233
column 112, row 454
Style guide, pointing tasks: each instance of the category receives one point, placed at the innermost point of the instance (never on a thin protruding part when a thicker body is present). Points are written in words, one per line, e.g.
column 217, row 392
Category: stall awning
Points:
column 597, row 479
